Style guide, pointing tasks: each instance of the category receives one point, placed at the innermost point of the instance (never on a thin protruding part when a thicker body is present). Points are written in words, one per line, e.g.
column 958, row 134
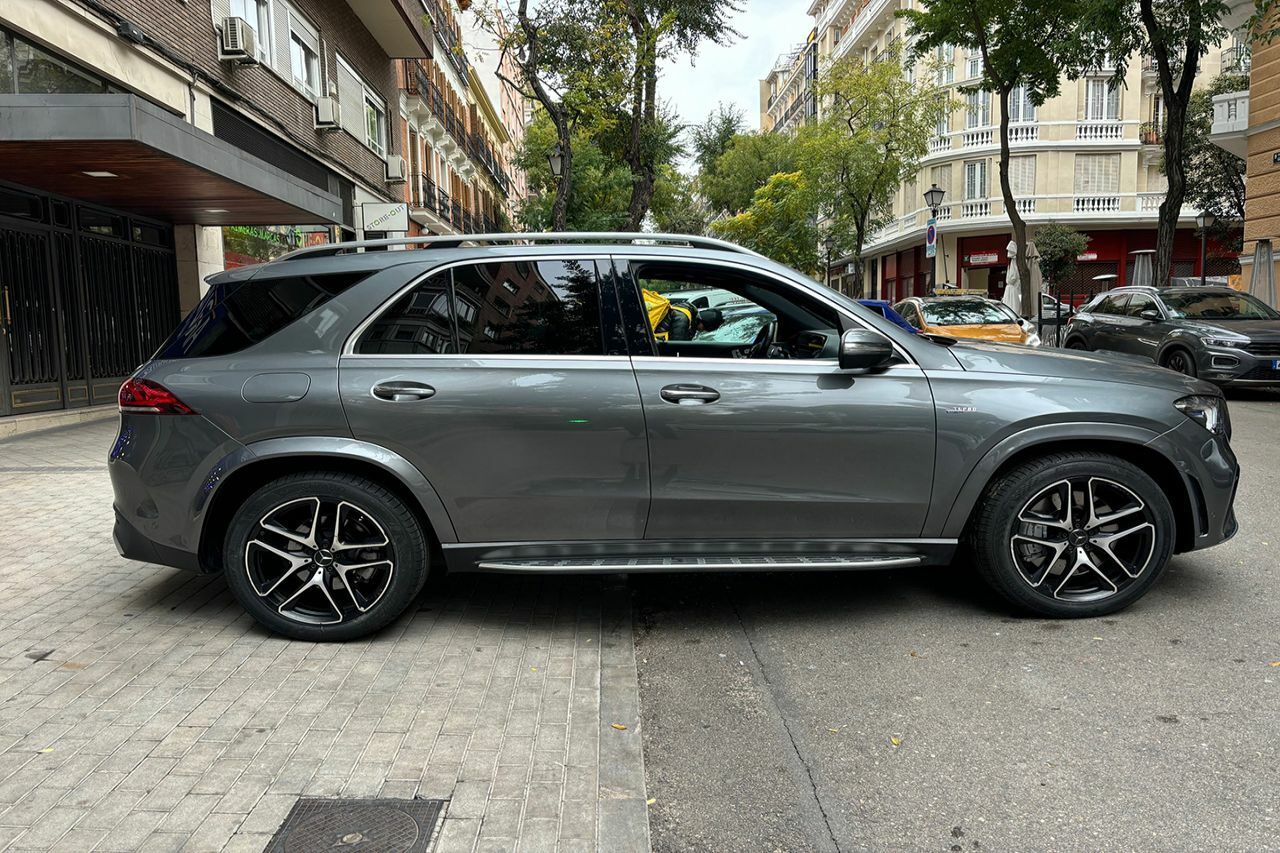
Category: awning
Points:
column 398, row 26
column 123, row 151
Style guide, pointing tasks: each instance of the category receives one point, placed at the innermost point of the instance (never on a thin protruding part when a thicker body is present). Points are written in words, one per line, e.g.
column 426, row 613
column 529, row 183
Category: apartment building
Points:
column 135, row 136
column 494, row 70
column 458, row 145
column 787, row 97
column 1089, row 158
column 1247, row 123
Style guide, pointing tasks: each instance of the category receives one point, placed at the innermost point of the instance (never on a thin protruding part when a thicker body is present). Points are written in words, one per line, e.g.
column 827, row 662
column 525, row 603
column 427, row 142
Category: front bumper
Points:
column 1237, row 367
column 1210, row 475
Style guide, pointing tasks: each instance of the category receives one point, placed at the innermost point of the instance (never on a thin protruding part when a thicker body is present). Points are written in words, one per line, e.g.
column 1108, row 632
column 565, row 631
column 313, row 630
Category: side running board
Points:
column 702, row 564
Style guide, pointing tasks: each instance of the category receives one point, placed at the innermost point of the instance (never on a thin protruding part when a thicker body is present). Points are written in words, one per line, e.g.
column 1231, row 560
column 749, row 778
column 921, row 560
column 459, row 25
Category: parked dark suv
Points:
column 325, row 428
column 1215, row 333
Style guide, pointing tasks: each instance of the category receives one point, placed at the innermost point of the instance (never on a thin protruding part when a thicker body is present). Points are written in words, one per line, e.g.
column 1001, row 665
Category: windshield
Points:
column 964, row 312
column 1218, row 306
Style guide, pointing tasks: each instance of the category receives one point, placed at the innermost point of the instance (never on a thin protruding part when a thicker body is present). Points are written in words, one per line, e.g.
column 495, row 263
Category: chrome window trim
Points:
column 454, row 356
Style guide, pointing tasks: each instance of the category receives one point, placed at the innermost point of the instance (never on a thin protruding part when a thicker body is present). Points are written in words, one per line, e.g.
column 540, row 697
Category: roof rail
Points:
column 453, row 241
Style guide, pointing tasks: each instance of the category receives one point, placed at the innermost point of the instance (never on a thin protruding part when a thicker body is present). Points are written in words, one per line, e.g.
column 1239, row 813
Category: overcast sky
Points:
column 732, row 73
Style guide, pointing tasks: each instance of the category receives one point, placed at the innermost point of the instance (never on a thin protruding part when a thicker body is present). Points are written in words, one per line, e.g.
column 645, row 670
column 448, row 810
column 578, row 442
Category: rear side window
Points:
column 234, row 316
column 1113, row 304
column 547, row 307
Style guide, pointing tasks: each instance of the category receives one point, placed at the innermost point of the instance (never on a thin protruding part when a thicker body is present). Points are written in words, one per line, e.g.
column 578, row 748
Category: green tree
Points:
column 779, row 223
column 1059, row 246
column 660, row 29
column 876, row 128
column 1215, row 176
column 677, row 206
column 748, row 162
column 1024, row 45
column 1175, row 34
column 711, row 138
column 602, row 196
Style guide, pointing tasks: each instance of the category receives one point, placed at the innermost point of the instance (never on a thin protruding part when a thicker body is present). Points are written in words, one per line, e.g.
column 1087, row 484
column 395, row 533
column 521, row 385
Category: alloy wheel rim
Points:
column 319, row 561
column 1083, row 539
column 1178, row 362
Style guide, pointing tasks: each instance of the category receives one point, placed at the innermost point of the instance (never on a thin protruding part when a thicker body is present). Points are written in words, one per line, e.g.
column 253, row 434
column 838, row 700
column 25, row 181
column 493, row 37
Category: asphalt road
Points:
column 910, row 710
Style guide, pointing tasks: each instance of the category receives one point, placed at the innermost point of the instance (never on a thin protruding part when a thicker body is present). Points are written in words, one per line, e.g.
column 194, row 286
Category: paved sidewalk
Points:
column 141, row 709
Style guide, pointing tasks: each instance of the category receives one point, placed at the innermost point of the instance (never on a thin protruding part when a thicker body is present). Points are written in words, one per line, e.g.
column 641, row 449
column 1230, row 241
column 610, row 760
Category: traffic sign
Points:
column 931, row 238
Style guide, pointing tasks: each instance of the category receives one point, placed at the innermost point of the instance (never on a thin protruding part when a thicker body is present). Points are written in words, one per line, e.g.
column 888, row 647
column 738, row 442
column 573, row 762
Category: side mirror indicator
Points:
column 863, row 349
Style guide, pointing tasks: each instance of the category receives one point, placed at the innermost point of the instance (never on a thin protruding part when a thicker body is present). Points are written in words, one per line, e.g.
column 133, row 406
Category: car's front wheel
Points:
column 325, row 556
column 1073, row 534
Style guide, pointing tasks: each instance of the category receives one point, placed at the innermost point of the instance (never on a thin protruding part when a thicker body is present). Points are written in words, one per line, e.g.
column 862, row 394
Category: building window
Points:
column 1020, row 107
column 946, row 64
column 1097, row 174
column 941, row 175
column 979, row 114
column 1022, row 175
column 973, row 67
column 975, row 180
column 304, row 54
column 257, row 14
column 27, row 70
column 364, row 113
column 1101, row 100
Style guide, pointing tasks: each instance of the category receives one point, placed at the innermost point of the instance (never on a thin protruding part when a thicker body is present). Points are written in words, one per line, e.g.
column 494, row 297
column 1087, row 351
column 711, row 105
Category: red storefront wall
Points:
column 904, row 274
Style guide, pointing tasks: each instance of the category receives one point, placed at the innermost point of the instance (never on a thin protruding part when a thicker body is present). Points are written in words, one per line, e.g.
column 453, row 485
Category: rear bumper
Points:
column 133, row 545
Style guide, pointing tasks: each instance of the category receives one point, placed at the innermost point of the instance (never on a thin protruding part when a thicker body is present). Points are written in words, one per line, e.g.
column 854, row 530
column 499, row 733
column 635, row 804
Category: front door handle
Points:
column 403, row 392
column 689, row 394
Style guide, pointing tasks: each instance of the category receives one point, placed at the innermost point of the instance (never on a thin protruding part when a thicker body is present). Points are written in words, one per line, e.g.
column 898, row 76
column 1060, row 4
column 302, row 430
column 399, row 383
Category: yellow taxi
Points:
column 967, row 317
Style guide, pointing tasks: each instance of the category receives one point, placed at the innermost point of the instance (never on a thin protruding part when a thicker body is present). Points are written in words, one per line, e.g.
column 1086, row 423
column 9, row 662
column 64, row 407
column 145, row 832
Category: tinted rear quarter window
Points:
column 234, row 316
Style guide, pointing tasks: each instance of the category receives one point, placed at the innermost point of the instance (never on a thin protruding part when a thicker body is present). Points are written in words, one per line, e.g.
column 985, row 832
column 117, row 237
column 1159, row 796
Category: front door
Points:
column 497, row 381
column 754, row 431
column 1135, row 335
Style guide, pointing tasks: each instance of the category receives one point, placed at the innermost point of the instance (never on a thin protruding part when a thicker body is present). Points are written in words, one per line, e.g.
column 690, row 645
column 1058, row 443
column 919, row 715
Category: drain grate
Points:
column 364, row 826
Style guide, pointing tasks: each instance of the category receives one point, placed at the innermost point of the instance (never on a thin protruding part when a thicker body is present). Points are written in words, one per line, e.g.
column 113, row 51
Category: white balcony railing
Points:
column 976, row 208
column 1025, row 205
column 1097, row 203
column 944, row 213
column 1231, row 112
column 976, row 137
column 1099, row 130
column 1150, row 202
column 1023, row 133
column 938, row 144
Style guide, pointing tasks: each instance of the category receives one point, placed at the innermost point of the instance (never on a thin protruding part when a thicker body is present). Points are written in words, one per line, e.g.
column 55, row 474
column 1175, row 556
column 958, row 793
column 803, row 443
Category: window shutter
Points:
column 282, row 61
column 221, row 10
column 351, row 98
column 1097, row 174
column 1022, row 175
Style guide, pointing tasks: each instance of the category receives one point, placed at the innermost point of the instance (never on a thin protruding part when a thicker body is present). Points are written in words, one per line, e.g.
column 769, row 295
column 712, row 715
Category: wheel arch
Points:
column 261, row 463
column 1175, row 344
column 1129, row 445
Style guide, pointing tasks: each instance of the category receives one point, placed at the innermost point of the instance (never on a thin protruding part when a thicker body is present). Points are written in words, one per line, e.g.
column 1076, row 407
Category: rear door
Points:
column 498, row 381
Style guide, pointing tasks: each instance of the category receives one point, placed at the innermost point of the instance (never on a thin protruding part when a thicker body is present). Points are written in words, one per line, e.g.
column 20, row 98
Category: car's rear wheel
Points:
column 1077, row 344
column 325, row 556
column 1073, row 534
column 1181, row 361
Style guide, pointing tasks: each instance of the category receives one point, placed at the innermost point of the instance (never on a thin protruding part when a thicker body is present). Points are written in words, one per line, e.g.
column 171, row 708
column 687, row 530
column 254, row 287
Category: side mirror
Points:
column 1151, row 315
column 702, row 302
column 863, row 349
column 710, row 319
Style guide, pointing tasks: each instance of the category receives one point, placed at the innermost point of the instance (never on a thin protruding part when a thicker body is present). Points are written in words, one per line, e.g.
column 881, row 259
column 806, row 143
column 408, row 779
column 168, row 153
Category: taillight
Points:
column 142, row 396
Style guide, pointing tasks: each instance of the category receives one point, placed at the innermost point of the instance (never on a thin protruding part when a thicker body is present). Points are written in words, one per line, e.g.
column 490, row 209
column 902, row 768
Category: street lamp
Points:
column 1205, row 220
column 829, row 243
column 556, row 159
column 933, row 200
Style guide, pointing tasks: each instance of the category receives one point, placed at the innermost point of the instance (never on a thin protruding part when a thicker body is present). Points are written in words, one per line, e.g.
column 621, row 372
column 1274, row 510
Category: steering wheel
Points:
column 764, row 340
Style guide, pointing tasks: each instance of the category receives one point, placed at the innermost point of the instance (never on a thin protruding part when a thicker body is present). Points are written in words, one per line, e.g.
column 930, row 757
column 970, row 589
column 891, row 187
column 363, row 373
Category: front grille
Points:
column 1263, row 348
column 1261, row 374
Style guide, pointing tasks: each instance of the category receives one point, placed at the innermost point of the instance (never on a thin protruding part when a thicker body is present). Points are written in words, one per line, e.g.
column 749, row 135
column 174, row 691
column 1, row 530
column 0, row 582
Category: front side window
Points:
column 1139, row 303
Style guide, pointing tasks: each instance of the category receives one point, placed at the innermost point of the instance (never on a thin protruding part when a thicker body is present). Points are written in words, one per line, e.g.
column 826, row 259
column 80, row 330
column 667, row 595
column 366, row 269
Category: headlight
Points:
column 1209, row 412
column 1226, row 343
column 1033, row 340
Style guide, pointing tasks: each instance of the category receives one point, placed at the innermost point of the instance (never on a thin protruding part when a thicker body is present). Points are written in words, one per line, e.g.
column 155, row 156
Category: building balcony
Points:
column 977, row 137
column 1237, row 59
column 938, row 144
column 1150, row 133
column 1231, row 122
column 397, row 26
column 444, row 30
column 1106, row 130
column 975, row 207
column 1096, row 204
column 1020, row 133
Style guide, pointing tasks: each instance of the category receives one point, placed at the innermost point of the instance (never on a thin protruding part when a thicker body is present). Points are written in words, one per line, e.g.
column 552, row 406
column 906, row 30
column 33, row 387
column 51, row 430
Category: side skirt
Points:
column 696, row 556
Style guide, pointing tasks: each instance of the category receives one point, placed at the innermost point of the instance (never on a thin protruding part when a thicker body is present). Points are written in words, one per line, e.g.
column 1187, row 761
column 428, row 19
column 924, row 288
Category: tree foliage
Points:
column 746, row 165
column 876, row 129
column 710, row 139
column 778, row 223
column 1059, row 246
column 1215, row 176
column 678, row 208
column 603, row 195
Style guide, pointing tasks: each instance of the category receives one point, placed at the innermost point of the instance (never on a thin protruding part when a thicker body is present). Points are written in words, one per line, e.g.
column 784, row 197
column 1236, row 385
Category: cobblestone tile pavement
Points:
column 140, row 709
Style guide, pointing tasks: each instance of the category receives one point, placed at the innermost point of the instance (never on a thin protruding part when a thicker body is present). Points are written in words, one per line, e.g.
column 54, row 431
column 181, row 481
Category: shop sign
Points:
column 1087, row 256
column 982, row 259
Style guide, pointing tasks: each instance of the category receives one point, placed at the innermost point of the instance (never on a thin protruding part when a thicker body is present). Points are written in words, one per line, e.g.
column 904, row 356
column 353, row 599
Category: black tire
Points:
column 1004, row 556
column 367, row 513
column 1077, row 344
column 1181, row 361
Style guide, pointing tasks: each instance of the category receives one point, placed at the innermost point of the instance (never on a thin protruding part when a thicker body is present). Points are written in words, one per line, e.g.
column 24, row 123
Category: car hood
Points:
column 1006, row 332
column 1264, row 329
column 1093, row 367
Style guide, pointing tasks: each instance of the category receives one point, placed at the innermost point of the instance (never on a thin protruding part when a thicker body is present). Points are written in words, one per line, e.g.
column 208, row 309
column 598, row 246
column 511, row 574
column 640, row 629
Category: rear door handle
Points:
column 689, row 394
column 403, row 392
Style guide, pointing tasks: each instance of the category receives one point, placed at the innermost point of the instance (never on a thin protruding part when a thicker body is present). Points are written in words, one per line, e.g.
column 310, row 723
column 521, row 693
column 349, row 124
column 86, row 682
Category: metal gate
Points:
column 86, row 294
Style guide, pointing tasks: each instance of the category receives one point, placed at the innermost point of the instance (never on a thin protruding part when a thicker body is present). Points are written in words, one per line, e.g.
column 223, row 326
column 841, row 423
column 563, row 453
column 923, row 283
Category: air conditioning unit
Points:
column 397, row 169
column 238, row 42
column 328, row 113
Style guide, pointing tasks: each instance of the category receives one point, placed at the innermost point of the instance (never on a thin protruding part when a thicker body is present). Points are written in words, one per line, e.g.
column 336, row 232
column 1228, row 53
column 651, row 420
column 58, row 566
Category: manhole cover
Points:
column 360, row 826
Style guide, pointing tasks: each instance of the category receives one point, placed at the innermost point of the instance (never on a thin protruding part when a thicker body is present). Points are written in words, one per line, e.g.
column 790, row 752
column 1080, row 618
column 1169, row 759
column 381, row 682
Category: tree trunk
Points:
column 1011, row 208
column 644, row 112
column 529, row 69
column 1177, row 99
column 564, row 187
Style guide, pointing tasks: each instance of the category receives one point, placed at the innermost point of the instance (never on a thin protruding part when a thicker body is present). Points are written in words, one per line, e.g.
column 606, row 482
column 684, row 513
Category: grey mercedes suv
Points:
column 326, row 429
